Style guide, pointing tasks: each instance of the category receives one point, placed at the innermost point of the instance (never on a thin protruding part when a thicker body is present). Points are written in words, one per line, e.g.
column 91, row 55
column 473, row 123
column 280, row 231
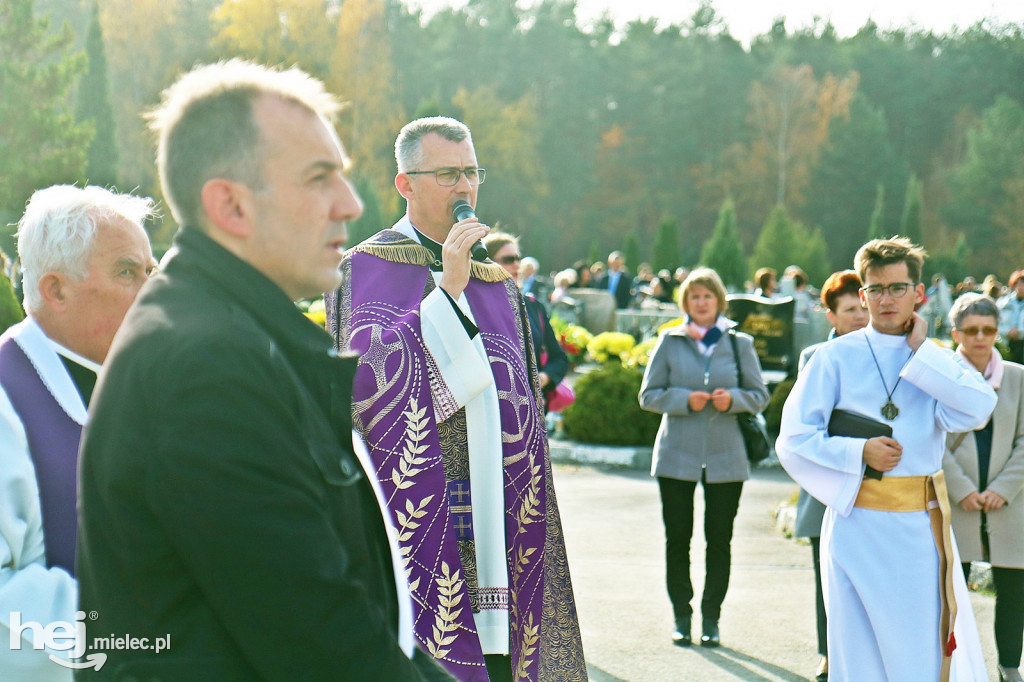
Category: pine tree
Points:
column 876, row 228
column 94, row 106
column 724, row 252
column 665, row 254
column 910, row 223
column 813, row 258
column 779, row 245
column 631, row 251
column 951, row 262
column 41, row 144
column 784, row 242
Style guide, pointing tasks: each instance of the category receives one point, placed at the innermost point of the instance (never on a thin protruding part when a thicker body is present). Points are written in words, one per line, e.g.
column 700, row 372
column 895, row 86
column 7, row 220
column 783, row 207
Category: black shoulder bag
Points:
column 755, row 438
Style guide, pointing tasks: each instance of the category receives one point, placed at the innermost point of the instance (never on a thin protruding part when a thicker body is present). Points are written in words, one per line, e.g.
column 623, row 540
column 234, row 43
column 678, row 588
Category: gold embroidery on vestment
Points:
column 408, row 252
column 446, row 620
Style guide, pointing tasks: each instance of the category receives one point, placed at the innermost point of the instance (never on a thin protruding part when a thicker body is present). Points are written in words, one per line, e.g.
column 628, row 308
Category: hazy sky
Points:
column 747, row 18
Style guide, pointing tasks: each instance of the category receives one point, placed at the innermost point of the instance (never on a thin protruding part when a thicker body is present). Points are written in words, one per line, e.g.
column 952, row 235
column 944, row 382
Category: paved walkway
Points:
column 615, row 541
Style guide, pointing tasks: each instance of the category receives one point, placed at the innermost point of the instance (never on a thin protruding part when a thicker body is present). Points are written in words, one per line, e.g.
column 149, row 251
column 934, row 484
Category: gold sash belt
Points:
column 922, row 493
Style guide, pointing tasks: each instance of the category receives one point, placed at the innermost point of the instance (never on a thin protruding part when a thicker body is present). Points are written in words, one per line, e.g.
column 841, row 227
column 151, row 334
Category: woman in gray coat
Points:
column 985, row 474
column 691, row 380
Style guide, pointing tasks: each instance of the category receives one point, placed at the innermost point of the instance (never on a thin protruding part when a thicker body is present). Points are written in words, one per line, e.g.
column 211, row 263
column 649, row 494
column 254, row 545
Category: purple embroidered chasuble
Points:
column 53, row 438
column 416, row 430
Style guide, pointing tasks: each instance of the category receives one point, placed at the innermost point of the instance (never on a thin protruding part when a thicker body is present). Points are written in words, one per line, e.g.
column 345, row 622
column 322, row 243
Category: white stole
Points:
column 466, row 371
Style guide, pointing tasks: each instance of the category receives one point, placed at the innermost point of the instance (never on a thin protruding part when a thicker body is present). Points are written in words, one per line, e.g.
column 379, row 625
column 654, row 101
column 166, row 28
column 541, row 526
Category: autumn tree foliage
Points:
column 789, row 117
column 276, row 32
column 153, row 41
column 364, row 76
column 594, row 130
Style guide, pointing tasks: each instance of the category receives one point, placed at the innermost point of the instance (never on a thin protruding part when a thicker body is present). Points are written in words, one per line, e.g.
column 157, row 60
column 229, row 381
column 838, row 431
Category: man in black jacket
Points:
column 225, row 514
column 617, row 281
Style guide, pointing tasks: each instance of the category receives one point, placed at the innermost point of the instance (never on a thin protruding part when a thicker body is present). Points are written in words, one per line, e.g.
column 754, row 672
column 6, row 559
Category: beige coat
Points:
column 1006, row 477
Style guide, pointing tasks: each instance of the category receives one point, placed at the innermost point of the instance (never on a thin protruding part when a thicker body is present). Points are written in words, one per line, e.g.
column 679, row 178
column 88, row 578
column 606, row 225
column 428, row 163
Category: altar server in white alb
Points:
column 898, row 607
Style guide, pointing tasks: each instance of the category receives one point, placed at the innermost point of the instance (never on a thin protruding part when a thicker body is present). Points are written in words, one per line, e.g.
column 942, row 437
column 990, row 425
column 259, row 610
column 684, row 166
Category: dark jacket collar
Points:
column 246, row 286
column 433, row 247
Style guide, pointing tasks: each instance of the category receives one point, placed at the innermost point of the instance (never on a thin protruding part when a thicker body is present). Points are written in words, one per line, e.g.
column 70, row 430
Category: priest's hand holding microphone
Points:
column 463, row 242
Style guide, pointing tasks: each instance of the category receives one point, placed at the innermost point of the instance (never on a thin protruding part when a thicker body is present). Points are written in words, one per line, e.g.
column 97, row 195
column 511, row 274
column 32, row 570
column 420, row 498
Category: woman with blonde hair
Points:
column 692, row 379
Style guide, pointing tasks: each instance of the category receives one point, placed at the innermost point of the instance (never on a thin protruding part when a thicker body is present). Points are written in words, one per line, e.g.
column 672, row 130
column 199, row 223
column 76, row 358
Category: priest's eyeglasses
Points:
column 984, row 331
column 449, row 177
column 896, row 290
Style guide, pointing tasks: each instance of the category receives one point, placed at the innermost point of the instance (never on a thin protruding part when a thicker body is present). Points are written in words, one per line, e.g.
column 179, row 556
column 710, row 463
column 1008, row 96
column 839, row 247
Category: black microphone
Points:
column 461, row 211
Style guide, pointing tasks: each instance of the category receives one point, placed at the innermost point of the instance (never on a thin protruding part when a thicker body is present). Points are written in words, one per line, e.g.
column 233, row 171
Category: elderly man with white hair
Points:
column 85, row 256
column 528, row 269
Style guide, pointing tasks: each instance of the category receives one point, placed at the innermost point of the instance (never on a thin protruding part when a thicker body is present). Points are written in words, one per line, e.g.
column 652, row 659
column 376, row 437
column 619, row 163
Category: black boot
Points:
column 710, row 637
column 681, row 635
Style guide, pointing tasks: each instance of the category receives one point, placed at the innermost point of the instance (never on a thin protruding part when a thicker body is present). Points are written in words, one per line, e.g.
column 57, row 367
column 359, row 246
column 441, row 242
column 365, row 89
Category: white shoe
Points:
column 822, row 674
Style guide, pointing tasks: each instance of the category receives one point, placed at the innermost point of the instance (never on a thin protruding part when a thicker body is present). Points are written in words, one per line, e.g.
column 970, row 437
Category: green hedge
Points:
column 607, row 410
column 773, row 413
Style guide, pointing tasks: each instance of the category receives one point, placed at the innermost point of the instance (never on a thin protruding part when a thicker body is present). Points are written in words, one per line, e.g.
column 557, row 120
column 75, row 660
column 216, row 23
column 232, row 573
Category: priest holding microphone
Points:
column 447, row 397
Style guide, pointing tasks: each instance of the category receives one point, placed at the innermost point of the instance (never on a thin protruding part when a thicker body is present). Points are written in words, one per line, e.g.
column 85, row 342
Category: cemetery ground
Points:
column 615, row 541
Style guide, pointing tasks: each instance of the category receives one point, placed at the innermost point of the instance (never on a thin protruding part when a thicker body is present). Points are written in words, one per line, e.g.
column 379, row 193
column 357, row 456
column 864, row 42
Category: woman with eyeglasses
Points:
column 552, row 362
column 985, row 474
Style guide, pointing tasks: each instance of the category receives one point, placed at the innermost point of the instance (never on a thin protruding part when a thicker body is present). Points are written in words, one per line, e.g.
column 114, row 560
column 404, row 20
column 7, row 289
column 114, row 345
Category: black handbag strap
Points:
column 736, row 356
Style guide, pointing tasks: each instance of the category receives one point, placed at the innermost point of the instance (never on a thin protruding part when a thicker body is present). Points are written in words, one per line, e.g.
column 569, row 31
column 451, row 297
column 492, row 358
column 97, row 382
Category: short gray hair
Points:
column 972, row 304
column 408, row 146
column 56, row 232
column 207, row 130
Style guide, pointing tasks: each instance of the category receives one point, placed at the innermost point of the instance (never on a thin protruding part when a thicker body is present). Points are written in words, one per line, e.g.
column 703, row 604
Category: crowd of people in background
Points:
column 650, row 290
column 265, row 430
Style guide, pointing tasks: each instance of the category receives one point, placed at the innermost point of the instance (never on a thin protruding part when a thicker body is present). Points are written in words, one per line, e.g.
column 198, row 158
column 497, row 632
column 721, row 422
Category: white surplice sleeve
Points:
column 965, row 401
column 829, row 468
column 27, row 586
